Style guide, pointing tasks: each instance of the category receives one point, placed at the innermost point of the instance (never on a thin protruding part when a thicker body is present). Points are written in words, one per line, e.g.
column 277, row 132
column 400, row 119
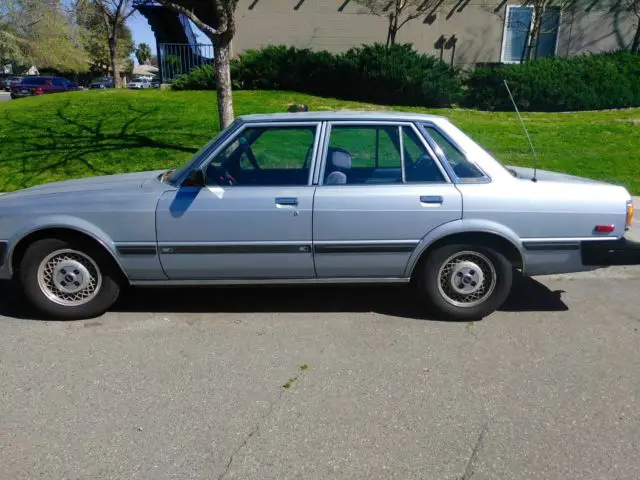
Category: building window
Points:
column 517, row 33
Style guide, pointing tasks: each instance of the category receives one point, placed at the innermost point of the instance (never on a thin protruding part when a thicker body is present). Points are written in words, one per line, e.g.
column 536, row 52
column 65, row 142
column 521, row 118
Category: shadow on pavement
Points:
column 527, row 295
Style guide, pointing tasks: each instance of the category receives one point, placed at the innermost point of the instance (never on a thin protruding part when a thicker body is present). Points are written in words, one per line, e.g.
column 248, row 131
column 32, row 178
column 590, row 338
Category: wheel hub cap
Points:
column 69, row 278
column 466, row 279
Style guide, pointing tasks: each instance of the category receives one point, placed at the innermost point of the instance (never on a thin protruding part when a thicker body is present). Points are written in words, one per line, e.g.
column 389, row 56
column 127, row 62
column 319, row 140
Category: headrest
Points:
column 340, row 158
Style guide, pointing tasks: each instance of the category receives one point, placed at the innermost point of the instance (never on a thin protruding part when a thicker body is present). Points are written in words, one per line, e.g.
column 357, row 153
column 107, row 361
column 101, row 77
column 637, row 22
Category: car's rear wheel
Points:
column 67, row 280
column 465, row 282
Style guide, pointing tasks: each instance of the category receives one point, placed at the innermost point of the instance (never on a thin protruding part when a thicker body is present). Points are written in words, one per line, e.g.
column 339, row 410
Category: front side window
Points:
column 459, row 163
column 265, row 156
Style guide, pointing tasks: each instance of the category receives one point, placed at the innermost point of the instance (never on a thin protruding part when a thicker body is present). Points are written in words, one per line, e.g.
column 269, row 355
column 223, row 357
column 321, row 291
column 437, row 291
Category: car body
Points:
column 10, row 80
column 41, row 85
column 102, row 83
column 139, row 83
column 330, row 197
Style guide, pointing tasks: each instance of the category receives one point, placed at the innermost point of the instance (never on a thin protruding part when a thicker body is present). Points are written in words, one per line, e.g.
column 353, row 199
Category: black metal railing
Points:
column 177, row 59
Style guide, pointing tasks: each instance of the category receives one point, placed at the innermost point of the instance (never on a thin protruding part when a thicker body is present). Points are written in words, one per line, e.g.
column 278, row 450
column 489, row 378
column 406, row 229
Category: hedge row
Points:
column 399, row 75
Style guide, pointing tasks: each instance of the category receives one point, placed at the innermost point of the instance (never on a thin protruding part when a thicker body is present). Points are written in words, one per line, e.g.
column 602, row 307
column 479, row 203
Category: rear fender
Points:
column 464, row 226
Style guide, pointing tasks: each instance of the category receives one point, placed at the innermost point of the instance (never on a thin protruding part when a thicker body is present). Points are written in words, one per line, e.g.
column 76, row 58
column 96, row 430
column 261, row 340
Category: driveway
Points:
column 327, row 383
column 5, row 97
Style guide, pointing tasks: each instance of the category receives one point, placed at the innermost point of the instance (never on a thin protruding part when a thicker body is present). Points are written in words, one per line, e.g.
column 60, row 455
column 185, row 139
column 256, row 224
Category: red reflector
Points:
column 605, row 228
column 38, row 91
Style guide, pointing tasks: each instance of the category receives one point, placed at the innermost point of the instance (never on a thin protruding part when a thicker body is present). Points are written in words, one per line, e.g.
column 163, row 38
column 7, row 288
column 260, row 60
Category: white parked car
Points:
column 139, row 83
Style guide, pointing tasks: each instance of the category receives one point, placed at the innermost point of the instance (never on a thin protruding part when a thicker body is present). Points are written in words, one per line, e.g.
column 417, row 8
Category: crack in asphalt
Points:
column 468, row 472
column 253, row 432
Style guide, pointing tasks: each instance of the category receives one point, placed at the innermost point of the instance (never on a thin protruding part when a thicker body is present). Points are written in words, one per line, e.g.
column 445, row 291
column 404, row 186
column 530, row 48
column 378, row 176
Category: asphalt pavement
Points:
column 327, row 383
column 5, row 97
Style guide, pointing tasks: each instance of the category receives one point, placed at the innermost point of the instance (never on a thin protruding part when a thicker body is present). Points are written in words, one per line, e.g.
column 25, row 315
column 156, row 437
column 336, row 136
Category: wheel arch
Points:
column 502, row 240
column 64, row 230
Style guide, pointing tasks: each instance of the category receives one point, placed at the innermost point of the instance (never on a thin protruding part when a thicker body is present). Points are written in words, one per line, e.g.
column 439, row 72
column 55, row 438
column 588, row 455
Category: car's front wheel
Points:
column 465, row 282
column 68, row 280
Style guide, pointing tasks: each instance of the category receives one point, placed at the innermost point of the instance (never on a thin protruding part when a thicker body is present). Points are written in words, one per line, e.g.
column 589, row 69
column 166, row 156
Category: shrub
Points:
column 586, row 82
column 397, row 75
column 199, row 78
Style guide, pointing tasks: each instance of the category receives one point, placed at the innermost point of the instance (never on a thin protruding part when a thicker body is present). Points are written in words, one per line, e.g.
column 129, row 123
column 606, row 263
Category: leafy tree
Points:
column 220, row 32
column 399, row 12
column 95, row 36
column 143, row 54
column 114, row 15
column 41, row 32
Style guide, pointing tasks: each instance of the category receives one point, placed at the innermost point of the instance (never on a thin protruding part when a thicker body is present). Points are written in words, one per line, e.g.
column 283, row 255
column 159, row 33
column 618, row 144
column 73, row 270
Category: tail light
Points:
column 629, row 214
column 38, row 91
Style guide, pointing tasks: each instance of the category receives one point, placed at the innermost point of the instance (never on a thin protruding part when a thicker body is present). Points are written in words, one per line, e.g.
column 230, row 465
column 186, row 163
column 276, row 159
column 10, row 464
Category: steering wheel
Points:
column 220, row 176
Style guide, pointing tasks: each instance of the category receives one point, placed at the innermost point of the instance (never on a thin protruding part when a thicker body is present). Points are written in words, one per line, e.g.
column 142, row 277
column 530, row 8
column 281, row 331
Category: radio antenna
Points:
column 535, row 156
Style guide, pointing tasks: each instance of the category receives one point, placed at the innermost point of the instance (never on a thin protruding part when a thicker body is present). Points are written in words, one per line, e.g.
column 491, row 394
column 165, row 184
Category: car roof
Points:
column 360, row 115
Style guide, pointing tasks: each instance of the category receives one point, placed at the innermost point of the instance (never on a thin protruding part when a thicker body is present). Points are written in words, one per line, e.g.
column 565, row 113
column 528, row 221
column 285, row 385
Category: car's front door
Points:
column 380, row 192
column 253, row 220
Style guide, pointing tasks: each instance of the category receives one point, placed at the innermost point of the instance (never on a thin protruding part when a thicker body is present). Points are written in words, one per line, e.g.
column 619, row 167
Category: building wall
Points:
column 337, row 25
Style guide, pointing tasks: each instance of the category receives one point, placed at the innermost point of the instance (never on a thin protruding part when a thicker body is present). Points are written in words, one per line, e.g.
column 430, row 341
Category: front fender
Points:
column 463, row 226
column 59, row 221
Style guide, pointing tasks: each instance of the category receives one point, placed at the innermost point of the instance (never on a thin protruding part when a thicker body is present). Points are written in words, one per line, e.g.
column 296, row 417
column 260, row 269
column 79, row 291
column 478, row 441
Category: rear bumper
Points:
column 610, row 253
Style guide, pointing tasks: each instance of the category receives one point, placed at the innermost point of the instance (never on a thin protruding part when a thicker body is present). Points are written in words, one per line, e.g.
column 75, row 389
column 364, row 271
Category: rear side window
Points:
column 461, row 166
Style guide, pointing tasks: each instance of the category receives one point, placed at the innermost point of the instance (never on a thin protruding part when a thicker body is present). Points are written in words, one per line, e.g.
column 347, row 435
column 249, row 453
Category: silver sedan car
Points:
column 346, row 197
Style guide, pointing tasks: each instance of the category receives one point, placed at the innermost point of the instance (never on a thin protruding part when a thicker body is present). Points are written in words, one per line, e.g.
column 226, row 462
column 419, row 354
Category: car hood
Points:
column 547, row 175
column 123, row 182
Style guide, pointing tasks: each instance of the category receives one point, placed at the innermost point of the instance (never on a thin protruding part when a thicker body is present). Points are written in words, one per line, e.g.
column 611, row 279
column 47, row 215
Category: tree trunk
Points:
column 635, row 45
column 113, row 58
column 393, row 30
column 222, row 58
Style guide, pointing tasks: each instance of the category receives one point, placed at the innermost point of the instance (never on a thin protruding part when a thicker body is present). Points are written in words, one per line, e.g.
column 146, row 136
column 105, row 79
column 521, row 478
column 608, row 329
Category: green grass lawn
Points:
column 92, row 133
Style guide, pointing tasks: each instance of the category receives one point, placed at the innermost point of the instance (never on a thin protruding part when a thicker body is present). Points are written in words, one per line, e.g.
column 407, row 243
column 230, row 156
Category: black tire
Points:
column 435, row 294
column 106, row 291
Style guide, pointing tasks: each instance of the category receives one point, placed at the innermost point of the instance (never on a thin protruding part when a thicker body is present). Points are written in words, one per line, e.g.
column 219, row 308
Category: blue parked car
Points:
column 332, row 197
column 102, row 83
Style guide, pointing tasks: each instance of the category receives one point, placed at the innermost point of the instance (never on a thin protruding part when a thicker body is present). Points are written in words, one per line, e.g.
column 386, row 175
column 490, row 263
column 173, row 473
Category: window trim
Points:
column 486, row 178
column 504, row 32
column 533, row 14
column 322, row 154
column 208, row 158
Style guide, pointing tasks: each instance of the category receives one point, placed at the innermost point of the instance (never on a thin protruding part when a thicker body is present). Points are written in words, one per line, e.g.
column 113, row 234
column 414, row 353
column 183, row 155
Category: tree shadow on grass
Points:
column 72, row 145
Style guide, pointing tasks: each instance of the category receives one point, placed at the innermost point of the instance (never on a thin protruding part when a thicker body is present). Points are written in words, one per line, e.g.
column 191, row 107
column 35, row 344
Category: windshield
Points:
column 172, row 174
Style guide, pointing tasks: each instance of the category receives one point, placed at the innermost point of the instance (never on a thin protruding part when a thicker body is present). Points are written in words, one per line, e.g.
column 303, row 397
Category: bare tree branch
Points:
column 207, row 29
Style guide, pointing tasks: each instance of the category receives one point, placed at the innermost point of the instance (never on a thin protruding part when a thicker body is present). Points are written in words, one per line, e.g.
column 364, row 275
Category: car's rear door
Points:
column 258, row 228
column 370, row 213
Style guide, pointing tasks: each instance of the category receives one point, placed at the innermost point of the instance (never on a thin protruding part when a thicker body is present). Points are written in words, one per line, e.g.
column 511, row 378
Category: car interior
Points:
column 241, row 165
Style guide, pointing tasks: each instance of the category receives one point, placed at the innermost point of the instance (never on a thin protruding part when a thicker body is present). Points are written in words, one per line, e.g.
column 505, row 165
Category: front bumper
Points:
column 610, row 253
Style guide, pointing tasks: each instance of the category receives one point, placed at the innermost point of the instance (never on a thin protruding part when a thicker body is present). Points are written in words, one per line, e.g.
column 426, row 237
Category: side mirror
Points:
column 195, row 179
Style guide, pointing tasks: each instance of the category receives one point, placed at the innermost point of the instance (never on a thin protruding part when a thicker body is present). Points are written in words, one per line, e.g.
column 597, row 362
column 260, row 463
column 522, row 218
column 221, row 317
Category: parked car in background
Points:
column 139, row 83
column 315, row 198
column 102, row 83
column 41, row 85
column 8, row 81
column 155, row 82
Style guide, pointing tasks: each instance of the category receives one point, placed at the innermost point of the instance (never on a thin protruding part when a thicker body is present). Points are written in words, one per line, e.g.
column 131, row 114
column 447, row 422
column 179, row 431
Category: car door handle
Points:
column 288, row 201
column 431, row 199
